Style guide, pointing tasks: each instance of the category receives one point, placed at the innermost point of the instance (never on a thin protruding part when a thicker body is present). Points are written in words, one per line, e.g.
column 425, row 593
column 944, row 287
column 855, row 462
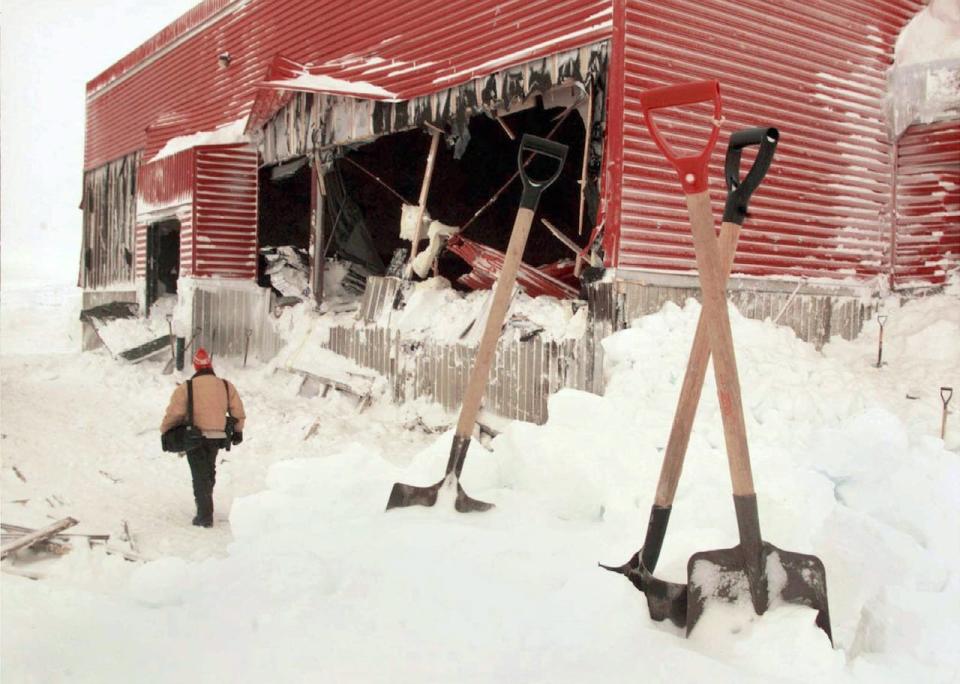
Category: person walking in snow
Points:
column 213, row 397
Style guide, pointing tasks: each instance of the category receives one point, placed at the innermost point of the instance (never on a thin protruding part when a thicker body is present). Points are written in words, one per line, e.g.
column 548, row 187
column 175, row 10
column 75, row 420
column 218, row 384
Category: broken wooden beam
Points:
column 567, row 242
column 586, row 157
column 422, row 204
column 505, row 127
column 38, row 535
column 20, row 529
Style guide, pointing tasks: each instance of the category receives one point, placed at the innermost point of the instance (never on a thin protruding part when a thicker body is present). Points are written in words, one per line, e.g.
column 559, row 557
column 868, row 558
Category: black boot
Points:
column 200, row 522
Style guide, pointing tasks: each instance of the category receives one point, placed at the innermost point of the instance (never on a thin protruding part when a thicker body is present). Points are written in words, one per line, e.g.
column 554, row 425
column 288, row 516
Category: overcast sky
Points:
column 49, row 49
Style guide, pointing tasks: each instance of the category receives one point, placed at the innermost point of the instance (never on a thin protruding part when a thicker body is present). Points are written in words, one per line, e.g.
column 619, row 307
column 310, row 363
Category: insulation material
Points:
column 408, row 222
column 438, row 233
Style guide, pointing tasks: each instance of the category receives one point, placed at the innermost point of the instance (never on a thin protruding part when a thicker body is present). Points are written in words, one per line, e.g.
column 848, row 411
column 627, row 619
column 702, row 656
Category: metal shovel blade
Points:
column 665, row 600
column 403, row 495
column 772, row 575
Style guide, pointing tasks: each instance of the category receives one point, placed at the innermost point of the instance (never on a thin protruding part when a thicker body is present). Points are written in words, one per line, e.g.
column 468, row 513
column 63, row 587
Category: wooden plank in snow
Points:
column 33, row 537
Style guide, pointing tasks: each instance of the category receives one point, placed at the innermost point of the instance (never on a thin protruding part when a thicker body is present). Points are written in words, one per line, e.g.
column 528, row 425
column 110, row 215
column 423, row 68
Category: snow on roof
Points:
column 315, row 82
column 224, row 135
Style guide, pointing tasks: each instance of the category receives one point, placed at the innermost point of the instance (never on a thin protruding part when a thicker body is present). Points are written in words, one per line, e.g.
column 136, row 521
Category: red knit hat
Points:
column 202, row 360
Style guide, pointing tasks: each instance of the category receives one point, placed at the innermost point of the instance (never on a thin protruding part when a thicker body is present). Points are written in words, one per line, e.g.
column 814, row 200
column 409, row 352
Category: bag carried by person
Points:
column 184, row 437
column 231, row 426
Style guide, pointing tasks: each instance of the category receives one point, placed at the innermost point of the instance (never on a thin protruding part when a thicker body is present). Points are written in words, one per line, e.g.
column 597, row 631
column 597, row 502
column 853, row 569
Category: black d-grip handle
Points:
column 740, row 191
column 532, row 187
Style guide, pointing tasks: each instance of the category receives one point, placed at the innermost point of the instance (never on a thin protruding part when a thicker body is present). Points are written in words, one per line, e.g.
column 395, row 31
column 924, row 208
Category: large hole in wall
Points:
column 283, row 227
column 460, row 187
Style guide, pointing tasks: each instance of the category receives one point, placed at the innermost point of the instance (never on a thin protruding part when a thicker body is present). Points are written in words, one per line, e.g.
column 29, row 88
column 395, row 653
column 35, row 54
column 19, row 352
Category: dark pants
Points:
column 203, row 467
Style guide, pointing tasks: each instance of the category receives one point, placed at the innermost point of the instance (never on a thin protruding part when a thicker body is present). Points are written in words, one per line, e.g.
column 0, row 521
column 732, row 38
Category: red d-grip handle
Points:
column 692, row 170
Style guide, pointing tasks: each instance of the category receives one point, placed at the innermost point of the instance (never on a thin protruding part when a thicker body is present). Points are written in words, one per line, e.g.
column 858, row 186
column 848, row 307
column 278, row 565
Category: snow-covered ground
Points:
column 305, row 578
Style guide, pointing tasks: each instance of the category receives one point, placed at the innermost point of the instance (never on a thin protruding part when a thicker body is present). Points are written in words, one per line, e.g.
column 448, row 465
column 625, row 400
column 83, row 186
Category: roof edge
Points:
column 179, row 29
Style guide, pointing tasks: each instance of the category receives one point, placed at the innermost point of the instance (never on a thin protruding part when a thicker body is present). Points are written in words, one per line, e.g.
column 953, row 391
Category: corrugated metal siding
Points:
column 109, row 208
column 225, row 212
column 927, row 240
column 435, row 45
column 522, row 377
column 165, row 190
column 164, row 184
column 813, row 69
column 233, row 321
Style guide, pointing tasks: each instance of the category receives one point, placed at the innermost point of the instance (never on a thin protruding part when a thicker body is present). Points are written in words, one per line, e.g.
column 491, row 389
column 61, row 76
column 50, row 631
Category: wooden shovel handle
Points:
column 721, row 342
column 692, row 385
column 491, row 332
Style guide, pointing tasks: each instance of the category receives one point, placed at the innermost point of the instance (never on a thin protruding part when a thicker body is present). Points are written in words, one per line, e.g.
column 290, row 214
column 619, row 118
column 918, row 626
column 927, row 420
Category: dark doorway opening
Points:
column 163, row 260
column 283, row 218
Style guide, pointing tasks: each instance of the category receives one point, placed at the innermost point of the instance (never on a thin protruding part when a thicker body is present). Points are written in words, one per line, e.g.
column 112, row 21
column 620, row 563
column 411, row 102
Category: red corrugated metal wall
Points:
column 165, row 190
column 816, row 70
column 212, row 190
column 165, row 182
column 225, row 212
column 442, row 43
column 927, row 240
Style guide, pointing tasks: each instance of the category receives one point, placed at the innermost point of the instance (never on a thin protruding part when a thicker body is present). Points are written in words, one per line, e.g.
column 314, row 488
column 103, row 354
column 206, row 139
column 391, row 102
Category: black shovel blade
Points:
column 727, row 574
column 403, row 495
column 466, row 504
column 665, row 600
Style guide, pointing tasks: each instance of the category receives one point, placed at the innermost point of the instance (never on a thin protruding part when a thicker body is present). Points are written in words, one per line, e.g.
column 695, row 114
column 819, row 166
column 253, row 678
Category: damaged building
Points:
column 253, row 148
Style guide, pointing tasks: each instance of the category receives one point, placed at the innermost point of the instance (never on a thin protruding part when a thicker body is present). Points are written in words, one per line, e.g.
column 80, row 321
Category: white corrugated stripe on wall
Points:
column 927, row 243
column 814, row 70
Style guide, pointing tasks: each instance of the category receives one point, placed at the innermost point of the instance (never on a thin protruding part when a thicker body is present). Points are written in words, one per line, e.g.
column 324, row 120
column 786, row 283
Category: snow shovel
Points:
column 410, row 495
column 754, row 567
column 668, row 600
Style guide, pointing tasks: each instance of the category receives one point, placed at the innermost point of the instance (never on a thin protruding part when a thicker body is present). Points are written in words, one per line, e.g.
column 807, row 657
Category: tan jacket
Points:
column 209, row 405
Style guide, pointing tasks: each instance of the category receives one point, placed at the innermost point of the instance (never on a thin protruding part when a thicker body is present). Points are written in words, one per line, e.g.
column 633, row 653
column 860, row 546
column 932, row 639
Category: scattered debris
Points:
column 19, row 474
column 288, row 269
column 30, row 538
column 128, row 537
column 487, row 263
column 146, row 350
column 109, row 312
column 946, row 393
column 132, row 557
column 110, row 477
column 419, row 424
